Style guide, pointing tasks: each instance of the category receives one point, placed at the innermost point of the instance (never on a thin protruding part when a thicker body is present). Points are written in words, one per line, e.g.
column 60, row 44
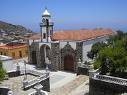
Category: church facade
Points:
column 63, row 49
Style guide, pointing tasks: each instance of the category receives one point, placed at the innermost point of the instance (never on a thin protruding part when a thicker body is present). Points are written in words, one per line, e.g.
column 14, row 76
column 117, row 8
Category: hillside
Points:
column 13, row 29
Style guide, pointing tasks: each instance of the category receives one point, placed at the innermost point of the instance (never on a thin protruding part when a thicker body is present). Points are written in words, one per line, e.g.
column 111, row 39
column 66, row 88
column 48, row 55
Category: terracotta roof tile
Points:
column 85, row 34
column 77, row 35
column 12, row 47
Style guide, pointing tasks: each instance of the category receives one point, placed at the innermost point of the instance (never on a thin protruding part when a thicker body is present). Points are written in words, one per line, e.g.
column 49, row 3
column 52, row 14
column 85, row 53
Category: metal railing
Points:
column 27, row 84
column 33, row 72
column 111, row 79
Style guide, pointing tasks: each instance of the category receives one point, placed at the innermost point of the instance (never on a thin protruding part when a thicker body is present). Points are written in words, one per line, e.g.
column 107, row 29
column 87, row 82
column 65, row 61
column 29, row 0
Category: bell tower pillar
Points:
column 46, row 27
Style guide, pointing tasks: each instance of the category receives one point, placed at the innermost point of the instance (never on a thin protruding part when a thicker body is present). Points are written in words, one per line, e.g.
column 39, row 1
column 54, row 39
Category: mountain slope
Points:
column 15, row 29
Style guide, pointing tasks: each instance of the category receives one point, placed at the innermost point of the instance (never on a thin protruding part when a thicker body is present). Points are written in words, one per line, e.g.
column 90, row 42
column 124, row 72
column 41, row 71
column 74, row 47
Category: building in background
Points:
column 15, row 50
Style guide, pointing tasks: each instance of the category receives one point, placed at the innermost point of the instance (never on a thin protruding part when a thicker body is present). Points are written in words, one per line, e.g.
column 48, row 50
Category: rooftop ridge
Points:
column 78, row 35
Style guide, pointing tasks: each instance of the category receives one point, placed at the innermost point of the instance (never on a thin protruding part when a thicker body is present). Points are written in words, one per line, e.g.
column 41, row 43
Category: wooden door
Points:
column 69, row 63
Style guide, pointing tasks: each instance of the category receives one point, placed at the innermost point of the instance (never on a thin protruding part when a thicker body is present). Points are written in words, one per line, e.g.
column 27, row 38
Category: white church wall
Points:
column 31, row 41
column 86, row 47
column 44, row 43
column 88, row 44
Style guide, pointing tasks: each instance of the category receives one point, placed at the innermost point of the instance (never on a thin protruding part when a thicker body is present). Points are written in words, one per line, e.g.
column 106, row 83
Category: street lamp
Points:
column 25, row 77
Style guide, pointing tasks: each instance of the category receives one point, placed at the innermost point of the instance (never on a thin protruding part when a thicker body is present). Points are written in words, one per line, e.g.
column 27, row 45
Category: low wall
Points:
column 101, row 87
column 83, row 71
column 45, row 83
column 4, row 91
column 13, row 74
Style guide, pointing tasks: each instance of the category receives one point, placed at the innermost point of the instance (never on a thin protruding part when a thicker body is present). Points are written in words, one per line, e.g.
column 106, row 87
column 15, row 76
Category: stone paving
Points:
column 73, row 87
column 83, row 89
column 60, row 78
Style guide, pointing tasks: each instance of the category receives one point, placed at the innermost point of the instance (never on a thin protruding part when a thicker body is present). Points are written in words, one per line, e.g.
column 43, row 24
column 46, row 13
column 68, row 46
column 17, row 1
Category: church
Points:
column 61, row 50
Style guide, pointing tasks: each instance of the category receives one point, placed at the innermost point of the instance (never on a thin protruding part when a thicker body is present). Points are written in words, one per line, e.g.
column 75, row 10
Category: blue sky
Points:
column 66, row 14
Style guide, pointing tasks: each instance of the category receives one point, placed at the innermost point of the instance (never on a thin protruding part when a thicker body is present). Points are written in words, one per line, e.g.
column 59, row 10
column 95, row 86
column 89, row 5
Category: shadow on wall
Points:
column 86, row 94
column 4, row 90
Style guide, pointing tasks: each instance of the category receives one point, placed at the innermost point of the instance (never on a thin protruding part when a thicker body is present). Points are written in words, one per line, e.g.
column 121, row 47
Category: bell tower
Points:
column 46, row 27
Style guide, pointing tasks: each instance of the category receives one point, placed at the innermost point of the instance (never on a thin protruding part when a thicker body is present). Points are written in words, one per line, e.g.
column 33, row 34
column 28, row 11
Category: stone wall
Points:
column 78, row 53
column 31, row 48
column 46, row 84
column 39, row 64
column 79, row 50
column 4, row 91
column 13, row 74
column 55, row 56
column 98, row 87
column 82, row 70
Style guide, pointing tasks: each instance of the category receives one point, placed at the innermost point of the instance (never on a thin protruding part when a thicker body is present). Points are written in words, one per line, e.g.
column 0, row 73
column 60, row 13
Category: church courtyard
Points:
column 15, row 85
column 59, row 82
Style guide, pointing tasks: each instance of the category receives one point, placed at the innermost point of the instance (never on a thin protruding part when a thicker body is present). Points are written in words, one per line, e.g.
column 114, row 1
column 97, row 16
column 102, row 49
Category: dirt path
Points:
column 71, row 87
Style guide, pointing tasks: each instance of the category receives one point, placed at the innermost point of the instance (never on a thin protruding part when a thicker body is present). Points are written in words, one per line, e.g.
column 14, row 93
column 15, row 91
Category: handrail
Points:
column 35, row 81
column 33, row 72
column 111, row 79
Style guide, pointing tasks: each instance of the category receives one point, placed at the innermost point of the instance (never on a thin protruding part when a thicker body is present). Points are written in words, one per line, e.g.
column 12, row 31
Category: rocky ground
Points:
column 15, row 84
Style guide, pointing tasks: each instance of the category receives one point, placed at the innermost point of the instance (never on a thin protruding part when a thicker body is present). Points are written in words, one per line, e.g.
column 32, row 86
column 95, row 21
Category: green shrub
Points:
column 2, row 72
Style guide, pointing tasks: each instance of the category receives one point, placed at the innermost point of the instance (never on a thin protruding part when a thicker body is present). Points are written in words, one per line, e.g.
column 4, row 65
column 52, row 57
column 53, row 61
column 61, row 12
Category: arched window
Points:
column 20, row 53
column 1, row 53
column 44, row 35
column 13, row 54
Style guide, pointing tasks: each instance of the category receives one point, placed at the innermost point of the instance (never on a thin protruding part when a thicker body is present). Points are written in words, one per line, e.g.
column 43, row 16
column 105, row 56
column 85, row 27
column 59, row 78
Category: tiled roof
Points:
column 78, row 35
column 84, row 34
column 36, row 36
column 12, row 47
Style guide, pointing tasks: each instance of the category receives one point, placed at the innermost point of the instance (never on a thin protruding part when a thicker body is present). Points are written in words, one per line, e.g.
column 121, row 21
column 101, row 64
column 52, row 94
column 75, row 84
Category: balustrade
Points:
column 111, row 79
column 35, row 81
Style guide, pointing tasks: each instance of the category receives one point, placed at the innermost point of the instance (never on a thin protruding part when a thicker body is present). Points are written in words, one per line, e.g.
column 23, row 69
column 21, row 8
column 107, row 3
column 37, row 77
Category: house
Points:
column 14, row 49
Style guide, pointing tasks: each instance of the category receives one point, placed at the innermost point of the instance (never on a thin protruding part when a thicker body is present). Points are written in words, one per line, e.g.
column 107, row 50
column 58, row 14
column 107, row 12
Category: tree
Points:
column 2, row 72
column 116, row 52
column 95, row 49
column 90, row 55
